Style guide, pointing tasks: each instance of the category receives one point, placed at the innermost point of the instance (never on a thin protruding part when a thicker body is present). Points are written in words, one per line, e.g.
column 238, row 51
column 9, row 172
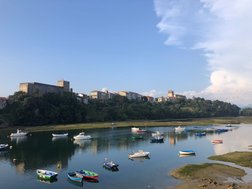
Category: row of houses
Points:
column 64, row 86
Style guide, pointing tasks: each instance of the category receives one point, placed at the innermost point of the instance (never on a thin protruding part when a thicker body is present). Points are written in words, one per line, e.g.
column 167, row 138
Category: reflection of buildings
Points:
column 172, row 139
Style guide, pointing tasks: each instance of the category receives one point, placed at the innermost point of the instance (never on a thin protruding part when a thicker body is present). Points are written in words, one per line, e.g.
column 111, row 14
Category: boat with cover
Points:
column 110, row 165
column 217, row 141
column 139, row 153
column 87, row 174
column 45, row 174
column 73, row 176
column 82, row 136
column 186, row 152
column 60, row 135
column 19, row 133
column 3, row 147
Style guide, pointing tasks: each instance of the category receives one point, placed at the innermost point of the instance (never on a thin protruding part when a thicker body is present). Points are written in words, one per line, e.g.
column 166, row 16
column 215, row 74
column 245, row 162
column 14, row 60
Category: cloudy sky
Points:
column 195, row 47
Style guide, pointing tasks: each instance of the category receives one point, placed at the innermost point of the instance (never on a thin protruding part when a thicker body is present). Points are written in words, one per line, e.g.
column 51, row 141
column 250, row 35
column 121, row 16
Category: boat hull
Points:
column 46, row 175
column 186, row 152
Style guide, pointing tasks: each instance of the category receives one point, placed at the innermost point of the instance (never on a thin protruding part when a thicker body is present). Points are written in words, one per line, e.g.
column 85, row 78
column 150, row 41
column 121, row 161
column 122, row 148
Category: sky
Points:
column 195, row 47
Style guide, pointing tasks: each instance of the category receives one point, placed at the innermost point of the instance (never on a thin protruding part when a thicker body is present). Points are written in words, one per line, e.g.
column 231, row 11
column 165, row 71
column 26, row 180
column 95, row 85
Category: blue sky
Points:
column 144, row 46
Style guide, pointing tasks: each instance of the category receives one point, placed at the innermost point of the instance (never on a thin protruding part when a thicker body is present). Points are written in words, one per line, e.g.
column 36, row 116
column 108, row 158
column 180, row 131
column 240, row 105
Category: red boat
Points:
column 217, row 141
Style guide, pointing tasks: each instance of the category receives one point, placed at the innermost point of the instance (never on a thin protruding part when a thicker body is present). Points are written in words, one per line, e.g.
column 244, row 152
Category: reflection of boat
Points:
column 73, row 176
column 179, row 129
column 79, row 184
column 82, row 136
column 19, row 133
column 136, row 137
column 157, row 139
column 47, row 181
column 180, row 155
column 18, row 139
column 110, row 165
column 139, row 153
column 87, row 174
column 155, row 134
column 217, row 141
column 46, row 175
column 186, row 152
column 141, row 159
column 60, row 135
column 82, row 143
column 3, row 147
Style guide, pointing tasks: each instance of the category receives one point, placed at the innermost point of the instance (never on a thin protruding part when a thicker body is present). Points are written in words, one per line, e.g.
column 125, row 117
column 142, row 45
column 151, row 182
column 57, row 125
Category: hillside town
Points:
column 35, row 88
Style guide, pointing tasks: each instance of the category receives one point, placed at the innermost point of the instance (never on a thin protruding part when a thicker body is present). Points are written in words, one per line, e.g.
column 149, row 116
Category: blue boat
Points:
column 200, row 134
column 110, row 165
column 73, row 176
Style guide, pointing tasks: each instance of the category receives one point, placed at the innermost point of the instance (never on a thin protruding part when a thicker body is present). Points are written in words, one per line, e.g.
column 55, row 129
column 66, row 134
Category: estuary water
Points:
column 41, row 151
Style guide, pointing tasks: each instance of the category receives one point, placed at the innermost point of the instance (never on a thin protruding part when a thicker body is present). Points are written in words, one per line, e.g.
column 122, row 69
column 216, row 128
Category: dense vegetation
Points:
column 65, row 108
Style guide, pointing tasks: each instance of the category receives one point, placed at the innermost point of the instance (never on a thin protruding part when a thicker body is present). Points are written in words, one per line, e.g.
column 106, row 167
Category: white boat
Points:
column 60, row 135
column 134, row 129
column 139, row 153
column 179, row 129
column 156, row 134
column 3, row 147
column 186, row 152
column 82, row 136
column 19, row 133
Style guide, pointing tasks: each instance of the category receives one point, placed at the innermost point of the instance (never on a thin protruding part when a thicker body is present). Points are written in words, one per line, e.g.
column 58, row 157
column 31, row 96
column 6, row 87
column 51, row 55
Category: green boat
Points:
column 46, row 175
column 87, row 174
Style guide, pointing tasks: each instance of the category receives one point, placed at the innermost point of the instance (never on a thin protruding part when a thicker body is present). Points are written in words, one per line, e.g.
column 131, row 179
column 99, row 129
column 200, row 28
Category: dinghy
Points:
column 45, row 174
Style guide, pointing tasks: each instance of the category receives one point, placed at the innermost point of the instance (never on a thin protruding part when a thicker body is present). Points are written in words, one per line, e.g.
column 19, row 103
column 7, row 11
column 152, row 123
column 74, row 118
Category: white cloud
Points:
column 222, row 29
column 153, row 93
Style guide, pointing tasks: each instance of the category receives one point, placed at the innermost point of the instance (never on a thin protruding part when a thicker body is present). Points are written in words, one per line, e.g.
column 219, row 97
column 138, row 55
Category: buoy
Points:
column 10, row 147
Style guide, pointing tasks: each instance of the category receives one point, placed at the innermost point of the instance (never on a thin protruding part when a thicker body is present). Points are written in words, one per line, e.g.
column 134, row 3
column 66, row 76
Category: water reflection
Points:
column 19, row 139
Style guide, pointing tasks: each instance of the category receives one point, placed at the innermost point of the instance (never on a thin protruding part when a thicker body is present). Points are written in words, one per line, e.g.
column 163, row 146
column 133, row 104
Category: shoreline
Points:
column 139, row 123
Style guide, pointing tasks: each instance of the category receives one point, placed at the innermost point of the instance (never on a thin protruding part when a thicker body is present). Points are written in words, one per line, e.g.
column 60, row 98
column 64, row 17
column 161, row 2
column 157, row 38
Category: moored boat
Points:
column 73, row 176
column 45, row 174
column 110, row 165
column 82, row 136
column 200, row 134
column 139, row 153
column 19, row 133
column 60, row 135
column 157, row 133
column 179, row 129
column 87, row 174
column 187, row 152
column 4, row 147
column 157, row 139
column 134, row 129
column 217, row 141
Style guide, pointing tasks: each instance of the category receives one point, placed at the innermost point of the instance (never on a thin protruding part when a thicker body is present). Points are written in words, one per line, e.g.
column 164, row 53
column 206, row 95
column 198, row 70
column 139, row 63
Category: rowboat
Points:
column 60, row 135
column 187, row 152
column 45, row 174
column 82, row 136
column 139, row 153
column 19, row 133
column 87, row 174
column 73, row 176
column 217, row 141
column 3, row 147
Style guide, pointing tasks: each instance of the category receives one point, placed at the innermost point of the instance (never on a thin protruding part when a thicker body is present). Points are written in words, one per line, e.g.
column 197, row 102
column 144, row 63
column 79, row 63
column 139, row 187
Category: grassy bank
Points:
column 171, row 122
column 239, row 158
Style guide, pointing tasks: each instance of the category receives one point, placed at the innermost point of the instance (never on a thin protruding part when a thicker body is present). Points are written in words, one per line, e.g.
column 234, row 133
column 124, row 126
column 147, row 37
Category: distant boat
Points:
column 187, row 152
column 60, row 135
column 3, row 147
column 217, row 141
column 157, row 139
column 179, row 129
column 45, row 174
column 139, row 153
column 82, row 136
column 200, row 134
column 157, row 133
column 19, row 133
column 73, row 176
column 134, row 129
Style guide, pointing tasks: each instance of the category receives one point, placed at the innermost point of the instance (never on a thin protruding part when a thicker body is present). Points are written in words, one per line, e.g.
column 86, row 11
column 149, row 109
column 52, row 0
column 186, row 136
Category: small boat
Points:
column 139, row 153
column 82, row 136
column 134, row 129
column 19, row 133
column 141, row 131
column 221, row 130
column 46, row 175
column 73, row 176
column 110, row 165
column 3, row 147
column 87, row 174
column 187, row 152
column 217, row 141
column 200, row 134
column 179, row 129
column 60, row 135
column 157, row 139
column 157, row 133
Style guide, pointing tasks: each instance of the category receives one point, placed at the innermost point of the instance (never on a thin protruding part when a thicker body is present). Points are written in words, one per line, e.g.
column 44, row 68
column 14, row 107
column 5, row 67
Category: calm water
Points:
column 40, row 151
